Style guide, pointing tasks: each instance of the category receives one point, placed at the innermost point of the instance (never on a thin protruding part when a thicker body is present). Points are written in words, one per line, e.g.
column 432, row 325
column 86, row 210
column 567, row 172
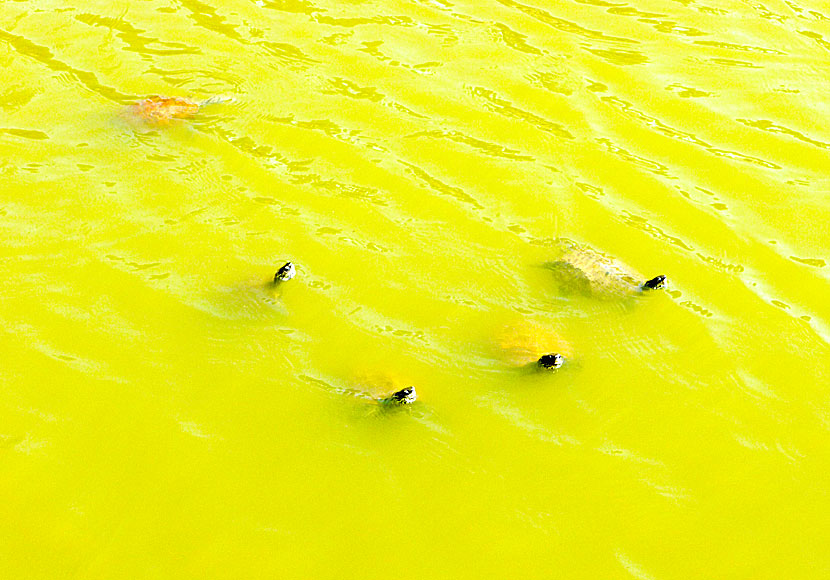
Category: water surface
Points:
column 164, row 414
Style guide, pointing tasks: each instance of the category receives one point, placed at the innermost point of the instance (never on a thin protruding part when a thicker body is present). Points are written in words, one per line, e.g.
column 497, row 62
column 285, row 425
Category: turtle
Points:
column 531, row 346
column 383, row 390
column 285, row 273
column 159, row 110
column 275, row 287
column 405, row 396
column 583, row 270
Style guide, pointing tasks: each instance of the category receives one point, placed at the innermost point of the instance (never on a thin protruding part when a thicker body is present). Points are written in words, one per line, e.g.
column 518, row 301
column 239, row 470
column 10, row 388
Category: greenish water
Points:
column 165, row 414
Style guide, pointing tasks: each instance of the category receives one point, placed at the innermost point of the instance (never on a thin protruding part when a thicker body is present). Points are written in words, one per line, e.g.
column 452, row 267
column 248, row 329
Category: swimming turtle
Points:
column 583, row 270
column 384, row 390
column 160, row 110
column 531, row 346
column 285, row 273
column 405, row 396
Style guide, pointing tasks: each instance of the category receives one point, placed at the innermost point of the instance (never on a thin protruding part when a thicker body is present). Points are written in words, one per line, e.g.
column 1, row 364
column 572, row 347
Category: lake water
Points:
column 164, row 413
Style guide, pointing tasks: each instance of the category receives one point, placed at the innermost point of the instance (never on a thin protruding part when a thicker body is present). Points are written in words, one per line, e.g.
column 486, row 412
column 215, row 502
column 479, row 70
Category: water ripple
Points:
column 206, row 17
column 362, row 21
column 645, row 225
column 731, row 62
column 818, row 38
column 485, row 147
column 619, row 56
column 660, row 127
column 513, row 39
column 814, row 262
column 739, row 47
column 133, row 39
column 288, row 54
column 561, row 81
column 24, row 133
column 648, row 164
column 341, row 86
column 564, row 25
column 441, row 187
column 43, row 55
column 506, row 109
column 771, row 127
column 291, row 6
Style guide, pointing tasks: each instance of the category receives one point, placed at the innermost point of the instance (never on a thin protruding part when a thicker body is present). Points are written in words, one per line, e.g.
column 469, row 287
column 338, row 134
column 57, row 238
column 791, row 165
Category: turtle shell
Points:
column 585, row 271
column 524, row 343
column 161, row 110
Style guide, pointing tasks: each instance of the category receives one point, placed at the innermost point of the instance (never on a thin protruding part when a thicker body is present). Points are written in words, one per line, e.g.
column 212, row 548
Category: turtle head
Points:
column 550, row 362
column 403, row 397
column 654, row 283
column 285, row 273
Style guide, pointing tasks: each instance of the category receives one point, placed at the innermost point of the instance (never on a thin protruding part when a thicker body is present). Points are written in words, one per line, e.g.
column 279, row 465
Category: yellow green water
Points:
column 163, row 415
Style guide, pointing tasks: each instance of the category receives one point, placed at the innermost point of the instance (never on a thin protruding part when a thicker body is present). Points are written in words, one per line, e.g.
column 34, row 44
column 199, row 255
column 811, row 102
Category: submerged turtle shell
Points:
column 582, row 270
column 525, row 343
column 161, row 110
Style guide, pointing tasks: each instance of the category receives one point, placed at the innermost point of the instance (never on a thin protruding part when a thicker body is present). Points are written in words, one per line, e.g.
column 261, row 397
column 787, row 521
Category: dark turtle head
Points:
column 550, row 362
column 285, row 273
column 654, row 283
column 403, row 397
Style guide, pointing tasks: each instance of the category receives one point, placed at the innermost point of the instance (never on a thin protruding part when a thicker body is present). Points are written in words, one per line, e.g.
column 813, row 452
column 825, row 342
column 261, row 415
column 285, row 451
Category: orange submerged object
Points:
column 161, row 110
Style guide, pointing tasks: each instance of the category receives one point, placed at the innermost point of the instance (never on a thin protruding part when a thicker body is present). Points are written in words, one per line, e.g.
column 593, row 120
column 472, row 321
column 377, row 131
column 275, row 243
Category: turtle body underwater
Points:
column 530, row 346
column 276, row 286
column 583, row 270
column 158, row 110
